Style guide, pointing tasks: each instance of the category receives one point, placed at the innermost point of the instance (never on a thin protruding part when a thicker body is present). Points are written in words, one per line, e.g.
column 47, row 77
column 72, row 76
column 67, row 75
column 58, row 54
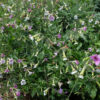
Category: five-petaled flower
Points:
column 11, row 61
column 23, row 82
column 51, row 18
column 96, row 59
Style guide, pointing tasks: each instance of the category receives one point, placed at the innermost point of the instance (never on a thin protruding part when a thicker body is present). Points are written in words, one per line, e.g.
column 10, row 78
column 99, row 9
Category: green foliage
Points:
column 47, row 47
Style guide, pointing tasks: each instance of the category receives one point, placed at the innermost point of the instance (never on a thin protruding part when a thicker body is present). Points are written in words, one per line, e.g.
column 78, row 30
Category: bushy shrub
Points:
column 50, row 50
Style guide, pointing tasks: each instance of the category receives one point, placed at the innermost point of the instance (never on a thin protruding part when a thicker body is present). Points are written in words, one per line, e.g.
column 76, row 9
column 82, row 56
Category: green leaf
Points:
column 33, row 92
column 80, row 45
column 93, row 93
column 98, row 43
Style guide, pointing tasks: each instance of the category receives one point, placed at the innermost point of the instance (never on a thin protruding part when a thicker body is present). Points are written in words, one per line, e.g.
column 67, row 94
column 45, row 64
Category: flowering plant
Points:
column 49, row 50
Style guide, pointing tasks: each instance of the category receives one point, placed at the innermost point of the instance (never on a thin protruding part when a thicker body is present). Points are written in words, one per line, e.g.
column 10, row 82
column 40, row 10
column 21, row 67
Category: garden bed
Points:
column 50, row 50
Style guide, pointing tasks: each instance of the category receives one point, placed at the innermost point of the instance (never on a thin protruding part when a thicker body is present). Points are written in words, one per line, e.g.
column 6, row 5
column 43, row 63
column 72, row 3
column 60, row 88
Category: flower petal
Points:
column 97, row 63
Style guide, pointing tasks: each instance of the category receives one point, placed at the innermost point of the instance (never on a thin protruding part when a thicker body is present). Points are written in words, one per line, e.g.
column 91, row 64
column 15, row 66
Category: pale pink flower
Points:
column 96, row 59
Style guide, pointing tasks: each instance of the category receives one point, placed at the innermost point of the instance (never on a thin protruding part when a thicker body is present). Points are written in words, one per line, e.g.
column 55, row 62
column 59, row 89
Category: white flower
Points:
column 2, row 5
column 21, row 25
column 98, row 50
column 60, row 84
column 30, row 73
column 69, row 82
column 35, row 65
column 36, row 42
column 83, row 22
column 80, row 76
column 24, row 66
column 65, row 4
column 31, row 37
column 80, row 69
column 5, row 14
column 12, row 11
column 56, row 66
column 56, row 53
column 2, row 61
column 46, row 91
column 90, row 20
column 27, row 18
column 46, row 13
column 96, row 22
column 53, row 84
column 75, row 17
column 75, row 43
column 64, row 58
column 98, row 70
column 74, row 72
column 23, row 82
column 61, row 8
column 80, row 9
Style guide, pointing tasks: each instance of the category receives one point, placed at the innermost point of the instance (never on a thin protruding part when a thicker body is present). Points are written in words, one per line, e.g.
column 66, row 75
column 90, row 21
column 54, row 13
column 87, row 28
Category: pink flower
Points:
column 29, row 10
column 8, row 10
column 84, row 28
column 60, row 91
column 96, row 59
column 11, row 16
column 33, row 6
column 90, row 49
column 18, row 93
column 30, row 27
column 2, row 28
column 59, row 35
column 15, row 86
column 24, row 94
column 74, row 29
column 10, row 89
column 66, row 92
column 7, row 70
column 13, row 25
column 30, row 5
column 63, row 42
column 45, row 59
column 2, row 55
column 11, row 61
column 51, row 18
column 19, row 60
column 58, row 44
column 77, row 62
column 2, row 61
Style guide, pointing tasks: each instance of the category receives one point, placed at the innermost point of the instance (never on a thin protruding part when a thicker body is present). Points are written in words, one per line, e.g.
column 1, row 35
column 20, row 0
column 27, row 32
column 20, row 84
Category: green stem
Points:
column 72, row 89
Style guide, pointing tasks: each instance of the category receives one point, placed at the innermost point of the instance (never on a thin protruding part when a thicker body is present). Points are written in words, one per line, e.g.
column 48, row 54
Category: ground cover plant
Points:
column 50, row 50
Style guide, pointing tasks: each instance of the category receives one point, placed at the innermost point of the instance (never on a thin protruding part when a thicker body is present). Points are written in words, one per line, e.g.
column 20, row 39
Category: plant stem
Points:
column 72, row 89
